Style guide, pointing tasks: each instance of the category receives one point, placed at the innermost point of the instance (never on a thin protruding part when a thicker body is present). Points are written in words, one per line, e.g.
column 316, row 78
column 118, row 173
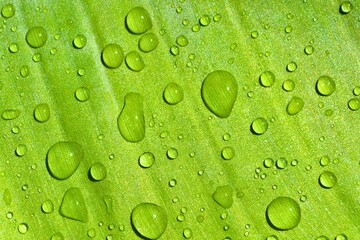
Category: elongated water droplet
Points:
column 112, row 55
column 10, row 114
column 23, row 228
column 283, row 213
column 63, row 158
column 149, row 220
column 42, row 112
column 36, row 37
column 138, row 20
column 131, row 121
column 223, row 195
column 108, row 203
column 7, row 196
column 24, row 71
column 219, row 92
column 148, row 42
column 73, row 205
column 295, row 105
column 325, row 85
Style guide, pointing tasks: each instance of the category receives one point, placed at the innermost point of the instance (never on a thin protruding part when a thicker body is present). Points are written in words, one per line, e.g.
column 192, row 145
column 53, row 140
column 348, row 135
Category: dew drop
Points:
column 259, row 126
column 267, row 79
column 309, row 49
column 57, row 236
column 24, row 71
column 42, row 112
column 63, row 158
column 98, row 171
column 228, row 153
column 268, row 162
column 47, row 206
column 283, row 213
column 327, row 179
column 112, row 55
column 219, row 92
column 272, row 237
column 322, row 238
column 341, row 237
column 134, row 61
column 187, row 233
column 291, row 66
column 82, row 94
column 73, row 205
column 36, row 37
column 174, row 50
column 295, row 105
column 325, row 85
column 182, row 41
column 149, row 220
column 205, row 20
column 223, row 195
column 79, row 41
column 217, row 17
column 23, row 228
column 354, row 104
column 138, row 20
column 281, row 163
column 21, row 150
column 8, row 10
column 148, row 42
column 172, row 153
column 10, row 114
column 14, row 48
column 173, row 94
column 288, row 85
column 346, row 7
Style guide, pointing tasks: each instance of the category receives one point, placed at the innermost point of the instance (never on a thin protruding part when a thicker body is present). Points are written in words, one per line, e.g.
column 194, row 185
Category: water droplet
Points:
column 146, row 160
column 295, row 105
column 272, row 237
column 288, row 29
column 288, row 85
column 283, row 213
column 82, row 94
column 172, row 153
column 327, row 179
column 346, row 7
column 205, row 20
column 254, row 34
column 268, row 163
column 172, row 183
column 42, row 112
column 73, row 205
column 228, row 153
column 259, row 126
column 149, row 220
column 98, row 171
column 79, row 41
column 8, row 10
column 91, row 233
column 24, row 71
column 182, row 41
column 324, row 160
column 223, row 195
column 309, row 49
column 354, row 104
column 356, row 90
column 21, row 150
column 14, row 48
column 281, row 163
column 112, row 55
column 322, row 238
column 195, row 28
column 187, row 233
column 131, row 122
column 36, row 37
column 174, row 50
column 10, row 114
column 9, row 215
column 23, row 228
column 57, row 236
column 63, row 158
column 47, row 206
column 325, row 85
column 138, row 20
column 217, row 17
column 341, row 237
column 291, row 66
column 173, row 94
column 134, row 61
column 108, row 203
column 148, row 42
column 219, row 92
column 7, row 196
column 267, row 79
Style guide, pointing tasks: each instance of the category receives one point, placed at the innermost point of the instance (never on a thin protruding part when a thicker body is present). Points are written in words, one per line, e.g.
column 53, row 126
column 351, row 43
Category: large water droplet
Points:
column 42, row 112
column 79, row 41
column 346, row 7
column 63, row 158
column 223, row 195
column 23, row 228
column 146, row 160
column 149, row 220
column 267, row 79
column 8, row 10
column 10, row 114
column 131, row 122
column 173, row 94
column 112, row 55
column 98, row 171
column 354, row 104
column 138, row 20
column 36, row 37
column 73, row 205
column 219, row 92
column 228, row 153
column 259, row 126
column 295, row 105
column 325, row 85
column 327, row 179
column 82, row 94
column 148, row 42
column 134, row 61
column 283, row 213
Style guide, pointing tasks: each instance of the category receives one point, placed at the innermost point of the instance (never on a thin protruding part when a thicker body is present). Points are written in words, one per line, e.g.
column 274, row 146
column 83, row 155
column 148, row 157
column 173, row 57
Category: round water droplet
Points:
column 112, row 55
column 272, row 237
column 8, row 10
column 341, row 237
column 259, row 126
column 146, row 160
column 79, row 41
column 57, row 236
column 148, row 42
column 24, row 71
column 10, row 114
column 267, row 79
column 254, row 34
column 36, row 37
column 63, row 158
column 295, row 105
column 327, row 179
column 149, row 220
column 91, row 233
column 325, row 85
column 205, row 20
column 346, row 7
column 354, row 104
column 172, row 153
column 172, row 183
column 283, row 213
column 73, row 205
column 138, row 20
column 21, row 150
column 281, row 163
column 288, row 85
column 98, row 171
column 173, row 94
column 195, row 28
column 309, row 49
column 14, row 47
column 324, row 160
column 187, row 233
column 23, row 228
column 174, row 50
column 182, row 41
column 356, row 90
column 82, row 94
column 219, row 92
column 134, row 61
column 223, row 195
column 47, row 206
column 131, row 121
column 291, row 66
column 268, row 163
column 228, row 153
column 36, row 57
column 42, row 112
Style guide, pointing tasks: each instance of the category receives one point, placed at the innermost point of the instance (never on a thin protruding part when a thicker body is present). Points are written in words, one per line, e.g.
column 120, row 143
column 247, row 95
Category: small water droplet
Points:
column 205, row 20
column 173, row 94
column 182, row 41
column 82, row 94
column 346, row 7
column 98, row 171
column 228, row 153
column 187, row 233
column 259, row 126
column 8, row 10
column 42, row 112
column 309, row 49
column 21, row 150
column 146, row 160
column 23, row 228
column 267, row 79
column 10, row 114
column 47, row 206
column 354, row 104
column 79, row 41
column 57, row 236
column 288, row 85
column 291, row 67
column 281, row 163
